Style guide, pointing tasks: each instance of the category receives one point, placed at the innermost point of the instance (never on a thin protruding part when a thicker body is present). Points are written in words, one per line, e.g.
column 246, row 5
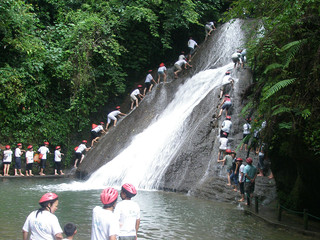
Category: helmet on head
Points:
column 150, row 71
column 225, row 134
column 227, row 95
column 139, row 86
column 248, row 119
column 48, row 197
column 239, row 159
column 249, row 160
column 19, row 144
column 108, row 195
column 8, row 147
column 227, row 73
column 228, row 117
column 117, row 107
column 233, row 152
column 30, row 146
column 130, row 189
column 102, row 123
column 46, row 143
column 84, row 141
column 58, row 147
column 161, row 64
column 228, row 150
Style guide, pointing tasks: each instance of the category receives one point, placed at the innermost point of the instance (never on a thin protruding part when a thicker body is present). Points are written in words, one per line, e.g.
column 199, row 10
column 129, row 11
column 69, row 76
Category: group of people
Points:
column 40, row 157
column 111, row 221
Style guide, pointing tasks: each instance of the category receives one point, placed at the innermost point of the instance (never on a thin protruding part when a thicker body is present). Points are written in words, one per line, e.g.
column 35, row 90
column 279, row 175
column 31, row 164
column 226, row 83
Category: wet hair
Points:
column 69, row 229
column 110, row 204
column 128, row 194
column 45, row 205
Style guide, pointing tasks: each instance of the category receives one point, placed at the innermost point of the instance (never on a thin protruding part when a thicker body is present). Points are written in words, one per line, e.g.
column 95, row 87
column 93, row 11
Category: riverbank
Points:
column 38, row 176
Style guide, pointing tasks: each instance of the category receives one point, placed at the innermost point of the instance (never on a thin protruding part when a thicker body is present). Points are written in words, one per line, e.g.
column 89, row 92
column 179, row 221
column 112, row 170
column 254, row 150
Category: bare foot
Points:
column 241, row 200
column 27, row 175
column 56, row 174
column 31, row 175
column 21, row 174
column 62, row 173
column 228, row 184
column 235, row 190
column 16, row 174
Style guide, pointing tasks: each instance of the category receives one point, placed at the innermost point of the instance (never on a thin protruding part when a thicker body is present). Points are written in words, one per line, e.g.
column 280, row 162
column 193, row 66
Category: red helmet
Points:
column 249, row 160
column 227, row 73
column 46, row 143
column 19, row 144
column 84, row 141
column 248, row 119
column 228, row 117
column 58, row 147
column 102, row 123
column 130, row 188
column 228, row 151
column 108, row 195
column 161, row 64
column 118, row 107
column 139, row 86
column 48, row 197
column 225, row 134
column 239, row 159
column 30, row 146
column 150, row 71
column 8, row 147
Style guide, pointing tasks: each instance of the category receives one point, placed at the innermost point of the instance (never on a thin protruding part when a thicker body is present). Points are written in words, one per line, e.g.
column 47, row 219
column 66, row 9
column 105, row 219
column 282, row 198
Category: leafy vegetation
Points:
column 285, row 61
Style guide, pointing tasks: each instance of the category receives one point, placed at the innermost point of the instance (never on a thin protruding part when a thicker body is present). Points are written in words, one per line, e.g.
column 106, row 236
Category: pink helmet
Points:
column 139, row 86
column 225, row 134
column 150, row 71
column 239, row 159
column 8, row 147
column 228, row 150
column 129, row 188
column 58, row 147
column 228, row 117
column 46, row 143
column 19, row 144
column 161, row 64
column 227, row 73
column 48, row 197
column 249, row 160
column 102, row 123
column 30, row 146
column 118, row 107
column 108, row 195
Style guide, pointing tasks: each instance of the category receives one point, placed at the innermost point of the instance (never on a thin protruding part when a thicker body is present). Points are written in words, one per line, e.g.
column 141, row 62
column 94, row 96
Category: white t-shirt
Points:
column 180, row 62
column 226, row 79
column 127, row 212
column 246, row 128
column 135, row 92
column 17, row 152
column 148, row 78
column 45, row 226
column 226, row 126
column 192, row 43
column 57, row 156
column 223, row 143
column 7, row 156
column 114, row 113
column 97, row 128
column 44, row 150
column 81, row 148
column 104, row 224
column 162, row 69
column 182, row 57
column 29, row 157
column 241, row 171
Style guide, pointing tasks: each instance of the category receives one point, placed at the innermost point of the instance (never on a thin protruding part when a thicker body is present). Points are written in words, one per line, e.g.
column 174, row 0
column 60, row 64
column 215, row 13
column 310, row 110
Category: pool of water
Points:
column 164, row 215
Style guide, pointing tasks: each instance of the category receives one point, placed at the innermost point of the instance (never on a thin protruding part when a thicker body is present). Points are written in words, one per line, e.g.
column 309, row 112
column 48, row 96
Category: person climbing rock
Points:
column 236, row 58
column 80, row 152
column 42, row 223
column 133, row 96
column 243, row 57
column 227, row 81
column 112, row 116
column 147, row 83
column 43, row 150
column 223, row 145
column 182, row 56
column 105, row 225
column 226, row 126
column 191, row 45
column 250, row 173
column 7, row 159
column 96, row 133
column 246, row 134
column 128, row 213
column 17, row 154
column 209, row 27
column 225, row 104
column 227, row 161
column 162, row 73
column 178, row 65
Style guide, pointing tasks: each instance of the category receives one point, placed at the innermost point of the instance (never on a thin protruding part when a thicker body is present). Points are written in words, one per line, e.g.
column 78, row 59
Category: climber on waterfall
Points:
column 192, row 44
column 209, row 27
column 178, row 65
column 112, row 116
column 162, row 72
column 80, row 152
column 226, row 126
column 227, row 161
column 225, row 104
column 236, row 58
column 128, row 213
column 246, row 134
column 227, row 81
column 182, row 56
column 147, row 83
column 96, row 132
column 223, row 145
column 243, row 57
column 133, row 96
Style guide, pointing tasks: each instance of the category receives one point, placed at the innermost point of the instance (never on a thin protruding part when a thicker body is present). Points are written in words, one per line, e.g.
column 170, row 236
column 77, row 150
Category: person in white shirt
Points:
column 236, row 58
column 113, row 115
column 17, row 154
column 209, row 27
column 96, row 132
column 223, row 145
column 133, row 96
column 246, row 134
column 57, row 161
column 178, row 65
column 191, row 45
column 128, row 213
column 42, row 223
column 226, row 82
column 79, row 152
column 182, row 56
column 7, row 159
column 241, row 178
column 162, row 72
column 43, row 150
column 226, row 126
column 105, row 225
column 29, row 161
column 147, row 83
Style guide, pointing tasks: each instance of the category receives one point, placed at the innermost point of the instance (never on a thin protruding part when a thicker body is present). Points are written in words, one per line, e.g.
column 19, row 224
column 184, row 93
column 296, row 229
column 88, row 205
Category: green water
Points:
column 163, row 215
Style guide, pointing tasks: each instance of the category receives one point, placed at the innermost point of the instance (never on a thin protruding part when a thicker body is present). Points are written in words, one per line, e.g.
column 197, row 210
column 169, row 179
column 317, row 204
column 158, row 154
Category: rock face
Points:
column 193, row 167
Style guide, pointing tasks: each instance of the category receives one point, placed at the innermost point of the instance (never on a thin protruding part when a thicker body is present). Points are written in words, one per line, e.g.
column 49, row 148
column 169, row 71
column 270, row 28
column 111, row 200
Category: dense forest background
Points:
column 65, row 64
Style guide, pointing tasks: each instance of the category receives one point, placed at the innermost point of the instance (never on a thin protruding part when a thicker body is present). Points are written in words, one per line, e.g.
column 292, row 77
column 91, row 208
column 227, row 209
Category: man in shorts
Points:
column 236, row 58
column 227, row 161
column 147, row 83
column 223, row 145
column 162, row 72
column 96, row 132
column 44, row 150
column 192, row 44
column 209, row 27
column 227, row 81
column 113, row 117
column 225, row 104
column 133, row 96
column 17, row 154
column 178, row 65
column 250, row 173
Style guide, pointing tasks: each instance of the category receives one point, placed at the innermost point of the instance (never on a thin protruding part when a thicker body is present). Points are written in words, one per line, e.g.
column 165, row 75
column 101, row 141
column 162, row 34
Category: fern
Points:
column 278, row 86
column 281, row 109
column 285, row 125
column 292, row 48
column 272, row 67
column 246, row 107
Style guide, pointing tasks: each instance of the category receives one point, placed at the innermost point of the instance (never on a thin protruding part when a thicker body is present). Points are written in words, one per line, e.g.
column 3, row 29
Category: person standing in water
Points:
column 105, row 225
column 128, row 213
column 29, row 161
column 250, row 173
column 17, row 153
column 57, row 161
column 42, row 223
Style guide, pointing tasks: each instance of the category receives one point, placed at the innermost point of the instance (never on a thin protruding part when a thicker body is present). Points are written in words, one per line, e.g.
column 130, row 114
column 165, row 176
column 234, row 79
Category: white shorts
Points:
column 133, row 97
column 111, row 118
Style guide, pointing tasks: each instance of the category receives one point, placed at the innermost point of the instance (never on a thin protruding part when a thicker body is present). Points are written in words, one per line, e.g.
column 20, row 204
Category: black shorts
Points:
column 95, row 134
column 43, row 163
column 147, row 85
column 29, row 166
column 242, row 187
column 18, row 163
column 249, row 187
column 78, row 155
column 246, row 140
